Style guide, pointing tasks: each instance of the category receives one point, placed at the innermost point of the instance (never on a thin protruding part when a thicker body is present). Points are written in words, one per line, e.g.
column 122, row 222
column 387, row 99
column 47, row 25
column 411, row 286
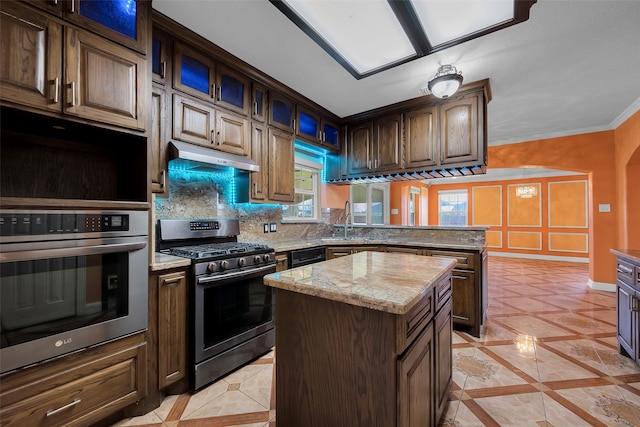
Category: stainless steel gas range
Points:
column 231, row 311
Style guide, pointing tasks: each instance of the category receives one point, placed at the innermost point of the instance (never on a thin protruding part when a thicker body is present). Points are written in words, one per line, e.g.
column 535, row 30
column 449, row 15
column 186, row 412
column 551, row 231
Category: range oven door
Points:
column 61, row 296
column 231, row 310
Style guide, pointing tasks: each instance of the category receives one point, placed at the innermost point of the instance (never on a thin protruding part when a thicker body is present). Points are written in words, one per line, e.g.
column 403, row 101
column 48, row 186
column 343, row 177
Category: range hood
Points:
column 202, row 158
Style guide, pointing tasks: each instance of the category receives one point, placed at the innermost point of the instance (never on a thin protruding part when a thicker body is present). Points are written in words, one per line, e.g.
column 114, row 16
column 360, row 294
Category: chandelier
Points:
column 526, row 191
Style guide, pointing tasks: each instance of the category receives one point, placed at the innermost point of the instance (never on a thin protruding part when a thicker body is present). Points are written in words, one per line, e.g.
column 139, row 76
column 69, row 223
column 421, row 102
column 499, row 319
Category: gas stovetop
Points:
column 211, row 251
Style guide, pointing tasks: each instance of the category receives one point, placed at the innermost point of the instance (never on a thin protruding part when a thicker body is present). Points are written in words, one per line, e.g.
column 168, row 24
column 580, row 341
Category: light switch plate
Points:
column 604, row 207
column 273, row 227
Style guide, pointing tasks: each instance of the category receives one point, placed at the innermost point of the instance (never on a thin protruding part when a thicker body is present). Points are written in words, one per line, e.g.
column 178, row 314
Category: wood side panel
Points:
column 357, row 359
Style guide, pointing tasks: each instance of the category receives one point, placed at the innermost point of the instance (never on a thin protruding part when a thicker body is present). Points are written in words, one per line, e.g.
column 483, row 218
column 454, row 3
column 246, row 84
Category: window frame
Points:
column 466, row 211
column 384, row 187
column 316, row 169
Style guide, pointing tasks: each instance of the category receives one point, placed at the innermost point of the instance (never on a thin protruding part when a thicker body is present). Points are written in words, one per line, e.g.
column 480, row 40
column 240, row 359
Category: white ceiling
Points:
column 573, row 67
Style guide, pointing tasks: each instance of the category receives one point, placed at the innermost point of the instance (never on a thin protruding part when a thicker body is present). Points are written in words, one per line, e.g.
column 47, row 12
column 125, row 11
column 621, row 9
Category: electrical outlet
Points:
column 273, row 227
column 265, row 228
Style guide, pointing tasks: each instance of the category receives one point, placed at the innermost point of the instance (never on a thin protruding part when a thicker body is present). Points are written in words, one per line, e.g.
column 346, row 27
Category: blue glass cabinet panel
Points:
column 331, row 135
column 308, row 125
column 194, row 74
column 156, row 60
column 232, row 91
column 119, row 15
column 281, row 113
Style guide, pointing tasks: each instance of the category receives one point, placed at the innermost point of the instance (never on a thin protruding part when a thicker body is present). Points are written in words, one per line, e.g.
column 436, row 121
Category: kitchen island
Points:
column 363, row 340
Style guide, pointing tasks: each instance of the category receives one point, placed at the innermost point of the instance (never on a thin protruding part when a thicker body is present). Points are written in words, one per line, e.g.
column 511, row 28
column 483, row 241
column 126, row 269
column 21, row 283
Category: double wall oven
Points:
column 69, row 280
column 231, row 311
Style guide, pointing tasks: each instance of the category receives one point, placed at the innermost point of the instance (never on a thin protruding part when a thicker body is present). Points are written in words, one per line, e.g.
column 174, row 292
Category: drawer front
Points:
column 625, row 272
column 411, row 324
column 465, row 260
column 87, row 399
column 443, row 292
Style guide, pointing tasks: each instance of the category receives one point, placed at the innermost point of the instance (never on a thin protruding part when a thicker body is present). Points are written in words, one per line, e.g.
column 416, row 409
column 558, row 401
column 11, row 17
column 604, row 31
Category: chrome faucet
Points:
column 347, row 216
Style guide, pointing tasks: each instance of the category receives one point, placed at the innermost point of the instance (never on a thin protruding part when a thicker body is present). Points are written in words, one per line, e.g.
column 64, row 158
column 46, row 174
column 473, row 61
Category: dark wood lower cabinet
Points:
column 443, row 375
column 628, row 307
column 166, row 336
column 77, row 390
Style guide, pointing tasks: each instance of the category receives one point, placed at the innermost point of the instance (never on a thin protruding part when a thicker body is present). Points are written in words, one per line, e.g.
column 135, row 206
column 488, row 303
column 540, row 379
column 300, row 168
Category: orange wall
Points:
column 593, row 154
column 551, row 223
column 627, row 158
column 333, row 195
column 399, row 193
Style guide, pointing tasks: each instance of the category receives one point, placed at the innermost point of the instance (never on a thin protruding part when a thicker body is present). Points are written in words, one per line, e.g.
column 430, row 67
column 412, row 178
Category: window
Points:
column 306, row 205
column 452, row 206
column 369, row 204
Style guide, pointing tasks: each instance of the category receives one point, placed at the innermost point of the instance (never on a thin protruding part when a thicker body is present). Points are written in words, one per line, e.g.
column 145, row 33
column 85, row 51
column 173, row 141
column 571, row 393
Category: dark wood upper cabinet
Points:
column 259, row 102
column 281, row 112
column 193, row 72
column 387, row 132
column 122, row 21
column 420, row 136
column 160, row 57
column 232, row 90
column 360, row 149
column 459, row 131
column 70, row 70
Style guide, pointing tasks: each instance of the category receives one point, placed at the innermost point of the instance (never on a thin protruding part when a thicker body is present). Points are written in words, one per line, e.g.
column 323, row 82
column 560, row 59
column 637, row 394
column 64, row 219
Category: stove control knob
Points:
column 266, row 257
column 212, row 267
column 242, row 262
column 224, row 265
column 257, row 259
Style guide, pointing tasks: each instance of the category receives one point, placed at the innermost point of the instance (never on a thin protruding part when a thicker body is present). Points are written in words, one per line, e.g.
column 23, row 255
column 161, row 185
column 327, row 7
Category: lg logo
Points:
column 60, row 343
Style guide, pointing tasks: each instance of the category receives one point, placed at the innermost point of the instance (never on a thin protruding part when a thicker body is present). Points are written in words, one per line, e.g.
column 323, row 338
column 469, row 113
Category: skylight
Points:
column 369, row 36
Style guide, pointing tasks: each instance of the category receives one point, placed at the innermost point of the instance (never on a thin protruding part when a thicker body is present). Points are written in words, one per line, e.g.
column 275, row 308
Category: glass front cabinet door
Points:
column 123, row 21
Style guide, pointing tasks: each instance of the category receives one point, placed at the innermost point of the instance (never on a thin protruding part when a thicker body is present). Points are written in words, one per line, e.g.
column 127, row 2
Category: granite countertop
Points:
column 389, row 282
column 293, row 244
column 165, row 262
column 633, row 254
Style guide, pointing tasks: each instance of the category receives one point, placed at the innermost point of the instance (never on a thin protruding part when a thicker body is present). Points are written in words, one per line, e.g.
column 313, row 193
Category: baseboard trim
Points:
column 541, row 257
column 602, row 286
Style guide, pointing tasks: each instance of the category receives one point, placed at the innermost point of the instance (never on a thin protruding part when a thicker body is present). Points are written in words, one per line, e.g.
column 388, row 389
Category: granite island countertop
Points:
column 633, row 254
column 389, row 282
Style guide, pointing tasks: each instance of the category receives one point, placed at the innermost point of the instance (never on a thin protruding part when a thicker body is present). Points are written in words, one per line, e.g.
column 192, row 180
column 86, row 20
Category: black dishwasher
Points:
column 300, row 257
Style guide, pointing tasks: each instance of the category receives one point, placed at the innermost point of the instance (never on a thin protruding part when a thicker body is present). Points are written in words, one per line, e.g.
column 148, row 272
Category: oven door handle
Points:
column 244, row 274
column 72, row 251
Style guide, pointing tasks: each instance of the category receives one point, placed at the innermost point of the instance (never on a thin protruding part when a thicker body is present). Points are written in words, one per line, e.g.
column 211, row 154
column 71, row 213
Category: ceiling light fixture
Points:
column 446, row 81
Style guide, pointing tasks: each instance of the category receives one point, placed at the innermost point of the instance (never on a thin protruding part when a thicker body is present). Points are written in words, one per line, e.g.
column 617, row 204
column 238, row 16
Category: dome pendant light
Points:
column 446, row 81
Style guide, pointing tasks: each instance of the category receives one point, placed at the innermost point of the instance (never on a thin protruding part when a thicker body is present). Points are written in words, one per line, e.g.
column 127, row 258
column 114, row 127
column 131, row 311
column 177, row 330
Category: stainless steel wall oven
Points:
column 69, row 280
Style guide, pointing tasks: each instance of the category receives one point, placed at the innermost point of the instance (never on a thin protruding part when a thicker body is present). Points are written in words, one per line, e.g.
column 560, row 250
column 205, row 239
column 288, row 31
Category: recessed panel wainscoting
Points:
column 548, row 357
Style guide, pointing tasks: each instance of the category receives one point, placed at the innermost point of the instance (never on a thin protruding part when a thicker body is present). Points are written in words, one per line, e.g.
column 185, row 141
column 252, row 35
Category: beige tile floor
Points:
column 548, row 358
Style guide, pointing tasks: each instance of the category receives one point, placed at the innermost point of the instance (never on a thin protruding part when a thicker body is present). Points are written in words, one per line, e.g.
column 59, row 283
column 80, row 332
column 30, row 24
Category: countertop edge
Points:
column 166, row 262
column 633, row 254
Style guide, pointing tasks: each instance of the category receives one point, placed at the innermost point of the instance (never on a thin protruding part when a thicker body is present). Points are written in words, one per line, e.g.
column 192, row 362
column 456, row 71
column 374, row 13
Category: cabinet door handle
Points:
column 632, row 303
column 164, row 178
column 163, row 69
column 255, row 189
column 213, row 90
column 54, row 2
column 173, row 281
column 51, row 412
column 294, row 124
column 72, row 6
column 623, row 269
column 368, row 164
column 72, row 86
column 255, row 108
column 375, row 164
column 56, row 90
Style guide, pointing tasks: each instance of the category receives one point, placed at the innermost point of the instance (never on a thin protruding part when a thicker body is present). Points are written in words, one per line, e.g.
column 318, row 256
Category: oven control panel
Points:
column 37, row 224
column 204, row 225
